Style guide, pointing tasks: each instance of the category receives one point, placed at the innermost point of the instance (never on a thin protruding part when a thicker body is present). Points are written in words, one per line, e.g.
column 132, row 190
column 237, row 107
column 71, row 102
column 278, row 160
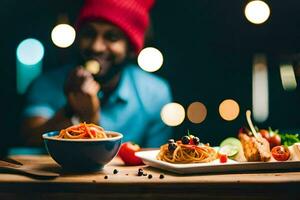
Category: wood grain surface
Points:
column 126, row 184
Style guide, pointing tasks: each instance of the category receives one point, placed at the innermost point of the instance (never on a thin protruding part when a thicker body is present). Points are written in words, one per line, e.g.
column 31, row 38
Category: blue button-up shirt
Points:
column 133, row 109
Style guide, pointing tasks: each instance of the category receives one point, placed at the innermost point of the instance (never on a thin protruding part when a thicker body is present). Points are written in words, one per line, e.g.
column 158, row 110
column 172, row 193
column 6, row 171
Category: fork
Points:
column 17, row 168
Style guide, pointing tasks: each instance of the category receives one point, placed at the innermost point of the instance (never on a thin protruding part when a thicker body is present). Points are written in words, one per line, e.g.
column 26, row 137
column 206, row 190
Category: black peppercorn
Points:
column 140, row 172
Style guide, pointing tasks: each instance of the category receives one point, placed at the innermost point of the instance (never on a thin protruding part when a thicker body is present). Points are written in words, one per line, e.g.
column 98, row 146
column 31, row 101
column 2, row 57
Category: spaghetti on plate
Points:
column 187, row 153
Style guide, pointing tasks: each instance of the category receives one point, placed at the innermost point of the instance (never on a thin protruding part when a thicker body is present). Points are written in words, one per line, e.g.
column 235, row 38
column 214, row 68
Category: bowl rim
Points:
column 119, row 136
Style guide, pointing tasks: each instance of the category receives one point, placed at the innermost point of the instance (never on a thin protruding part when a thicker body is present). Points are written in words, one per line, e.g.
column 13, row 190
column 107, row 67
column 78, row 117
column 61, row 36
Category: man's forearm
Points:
column 34, row 127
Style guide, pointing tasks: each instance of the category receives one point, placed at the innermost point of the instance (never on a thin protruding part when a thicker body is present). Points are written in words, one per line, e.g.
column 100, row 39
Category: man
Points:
column 120, row 97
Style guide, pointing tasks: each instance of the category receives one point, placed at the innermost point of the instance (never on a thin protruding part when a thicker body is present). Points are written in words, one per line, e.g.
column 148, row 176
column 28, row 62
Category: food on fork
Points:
column 93, row 66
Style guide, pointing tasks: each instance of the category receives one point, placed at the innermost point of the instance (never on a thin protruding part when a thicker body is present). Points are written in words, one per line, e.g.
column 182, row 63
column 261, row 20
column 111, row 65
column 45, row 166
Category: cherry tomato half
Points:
column 280, row 153
column 127, row 153
column 191, row 139
column 223, row 158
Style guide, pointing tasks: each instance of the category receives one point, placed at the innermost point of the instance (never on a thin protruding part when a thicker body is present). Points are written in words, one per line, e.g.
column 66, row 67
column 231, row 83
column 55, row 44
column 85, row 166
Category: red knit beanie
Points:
column 131, row 16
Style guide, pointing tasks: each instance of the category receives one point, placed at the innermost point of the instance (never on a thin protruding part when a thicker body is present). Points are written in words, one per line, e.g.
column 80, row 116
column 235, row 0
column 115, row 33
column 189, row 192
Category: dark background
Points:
column 208, row 48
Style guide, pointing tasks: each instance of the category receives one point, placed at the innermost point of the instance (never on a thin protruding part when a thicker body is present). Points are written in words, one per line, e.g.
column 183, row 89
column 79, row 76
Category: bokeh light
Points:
column 257, row 12
column 229, row 109
column 150, row 59
column 63, row 35
column 93, row 66
column 288, row 77
column 196, row 112
column 260, row 88
column 30, row 51
column 172, row 114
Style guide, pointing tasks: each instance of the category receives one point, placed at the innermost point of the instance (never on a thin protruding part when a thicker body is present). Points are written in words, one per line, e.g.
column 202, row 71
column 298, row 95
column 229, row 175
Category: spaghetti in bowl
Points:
column 83, row 154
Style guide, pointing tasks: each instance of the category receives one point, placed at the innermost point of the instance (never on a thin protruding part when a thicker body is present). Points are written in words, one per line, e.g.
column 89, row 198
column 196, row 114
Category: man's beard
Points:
column 111, row 72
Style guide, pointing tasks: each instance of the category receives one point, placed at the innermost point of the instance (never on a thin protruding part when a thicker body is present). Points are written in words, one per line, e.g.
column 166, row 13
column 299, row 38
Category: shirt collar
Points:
column 124, row 89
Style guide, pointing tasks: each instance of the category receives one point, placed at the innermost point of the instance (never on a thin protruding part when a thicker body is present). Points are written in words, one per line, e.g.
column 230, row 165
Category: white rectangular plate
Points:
column 149, row 158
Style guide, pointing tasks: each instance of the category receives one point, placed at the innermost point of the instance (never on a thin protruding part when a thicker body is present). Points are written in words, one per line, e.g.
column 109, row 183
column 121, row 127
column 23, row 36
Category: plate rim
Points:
column 188, row 168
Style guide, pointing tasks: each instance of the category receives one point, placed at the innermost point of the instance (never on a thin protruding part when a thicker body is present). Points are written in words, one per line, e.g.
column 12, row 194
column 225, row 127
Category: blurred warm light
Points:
column 288, row 77
column 93, row 66
column 150, row 59
column 30, row 51
column 257, row 12
column 63, row 35
column 172, row 114
column 229, row 109
column 196, row 112
column 260, row 88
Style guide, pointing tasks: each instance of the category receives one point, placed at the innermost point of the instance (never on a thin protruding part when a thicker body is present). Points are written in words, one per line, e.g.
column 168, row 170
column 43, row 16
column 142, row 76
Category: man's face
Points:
column 105, row 43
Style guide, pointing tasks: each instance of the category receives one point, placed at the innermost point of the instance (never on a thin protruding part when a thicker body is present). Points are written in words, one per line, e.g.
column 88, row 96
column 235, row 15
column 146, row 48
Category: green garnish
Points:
column 271, row 132
column 289, row 139
column 188, row 132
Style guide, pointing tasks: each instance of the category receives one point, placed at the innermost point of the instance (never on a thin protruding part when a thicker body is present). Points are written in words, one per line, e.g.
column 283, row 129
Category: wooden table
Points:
column 127, row 185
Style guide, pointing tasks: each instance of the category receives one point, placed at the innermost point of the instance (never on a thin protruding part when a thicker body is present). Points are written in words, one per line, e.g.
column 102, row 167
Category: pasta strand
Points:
column 83, row 131
column 187, row 154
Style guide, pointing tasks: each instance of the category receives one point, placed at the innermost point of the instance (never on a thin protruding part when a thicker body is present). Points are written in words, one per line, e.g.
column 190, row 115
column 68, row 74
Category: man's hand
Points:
column 81, row 91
